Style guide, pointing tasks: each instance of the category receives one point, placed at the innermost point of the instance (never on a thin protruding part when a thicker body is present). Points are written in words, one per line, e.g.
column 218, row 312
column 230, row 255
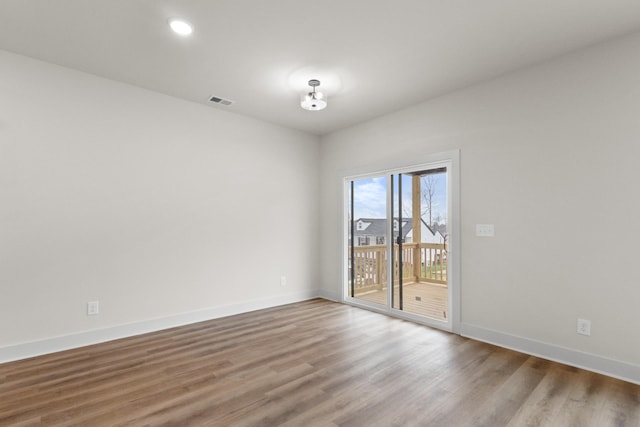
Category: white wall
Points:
column 548, row 154
column 149, row 204
column 113, row 193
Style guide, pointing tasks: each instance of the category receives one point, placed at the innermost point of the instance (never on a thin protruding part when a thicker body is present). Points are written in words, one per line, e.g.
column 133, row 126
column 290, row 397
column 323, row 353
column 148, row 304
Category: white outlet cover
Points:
column 93, row 308
column 584, row 327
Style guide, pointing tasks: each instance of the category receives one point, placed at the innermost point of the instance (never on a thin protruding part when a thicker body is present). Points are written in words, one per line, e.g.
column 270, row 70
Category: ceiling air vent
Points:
column 221, row 101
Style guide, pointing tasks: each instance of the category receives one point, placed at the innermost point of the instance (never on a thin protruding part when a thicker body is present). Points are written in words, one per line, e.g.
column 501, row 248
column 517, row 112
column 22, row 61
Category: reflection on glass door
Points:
column 403, row 246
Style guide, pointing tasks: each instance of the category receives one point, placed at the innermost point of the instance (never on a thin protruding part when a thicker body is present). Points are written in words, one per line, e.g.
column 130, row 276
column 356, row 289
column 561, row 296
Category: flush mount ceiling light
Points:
column 313, row 100
column 180, row 26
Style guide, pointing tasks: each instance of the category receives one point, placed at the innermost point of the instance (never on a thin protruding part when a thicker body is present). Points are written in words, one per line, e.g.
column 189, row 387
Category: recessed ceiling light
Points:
column 181, row 27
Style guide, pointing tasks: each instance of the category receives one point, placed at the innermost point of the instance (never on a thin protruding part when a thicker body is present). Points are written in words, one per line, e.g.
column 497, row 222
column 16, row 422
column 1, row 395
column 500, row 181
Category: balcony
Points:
column 424, row 277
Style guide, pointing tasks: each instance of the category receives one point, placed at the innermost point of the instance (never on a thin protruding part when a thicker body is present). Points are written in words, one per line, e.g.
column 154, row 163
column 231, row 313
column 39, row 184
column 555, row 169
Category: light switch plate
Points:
column 485, row 230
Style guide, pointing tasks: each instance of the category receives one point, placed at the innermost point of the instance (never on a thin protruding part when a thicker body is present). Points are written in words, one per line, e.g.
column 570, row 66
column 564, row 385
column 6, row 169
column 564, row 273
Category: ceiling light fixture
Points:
column 180, row 27
column 313, row 101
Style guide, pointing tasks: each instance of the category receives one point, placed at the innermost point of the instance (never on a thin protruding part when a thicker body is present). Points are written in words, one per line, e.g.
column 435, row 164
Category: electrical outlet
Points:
column 283, row 281
column 584, row 327
column 93, row 308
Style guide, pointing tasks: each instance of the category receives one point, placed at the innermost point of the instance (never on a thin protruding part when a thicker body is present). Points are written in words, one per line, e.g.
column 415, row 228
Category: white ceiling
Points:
column 372, row 56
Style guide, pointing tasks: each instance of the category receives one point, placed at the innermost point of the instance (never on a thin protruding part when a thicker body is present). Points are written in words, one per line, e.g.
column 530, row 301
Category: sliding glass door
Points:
column 397, row 244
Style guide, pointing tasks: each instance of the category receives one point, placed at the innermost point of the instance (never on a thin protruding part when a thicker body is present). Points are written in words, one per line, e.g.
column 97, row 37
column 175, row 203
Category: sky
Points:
column 370, row 197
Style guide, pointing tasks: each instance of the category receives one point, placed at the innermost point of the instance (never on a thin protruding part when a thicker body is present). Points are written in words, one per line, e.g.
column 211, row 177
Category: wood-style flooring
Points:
column 314, row 363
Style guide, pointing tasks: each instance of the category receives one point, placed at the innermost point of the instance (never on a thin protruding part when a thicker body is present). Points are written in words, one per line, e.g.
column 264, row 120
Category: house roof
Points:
column 378, row 227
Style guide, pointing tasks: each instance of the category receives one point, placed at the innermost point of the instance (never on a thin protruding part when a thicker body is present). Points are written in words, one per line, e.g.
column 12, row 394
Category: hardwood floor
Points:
column 314, row 363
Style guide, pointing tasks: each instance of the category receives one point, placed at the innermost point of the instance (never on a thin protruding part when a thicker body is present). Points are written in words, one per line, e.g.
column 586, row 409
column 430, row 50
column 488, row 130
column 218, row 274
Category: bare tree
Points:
column 428, row 184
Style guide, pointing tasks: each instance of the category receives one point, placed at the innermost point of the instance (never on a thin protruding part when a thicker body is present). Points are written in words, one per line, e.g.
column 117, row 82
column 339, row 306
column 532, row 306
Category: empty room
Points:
column 437, row 203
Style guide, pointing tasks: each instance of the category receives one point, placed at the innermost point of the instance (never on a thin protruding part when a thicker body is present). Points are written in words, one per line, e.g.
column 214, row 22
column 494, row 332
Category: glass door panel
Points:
column 367, row 238
column 419, row 206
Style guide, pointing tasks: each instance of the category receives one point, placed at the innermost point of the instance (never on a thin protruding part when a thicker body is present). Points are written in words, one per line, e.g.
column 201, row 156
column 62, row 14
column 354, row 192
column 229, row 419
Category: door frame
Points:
column 450, row 159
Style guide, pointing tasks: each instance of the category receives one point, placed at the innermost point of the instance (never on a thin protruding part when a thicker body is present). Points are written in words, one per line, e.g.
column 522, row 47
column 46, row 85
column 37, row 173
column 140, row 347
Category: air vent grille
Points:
column 221, row 101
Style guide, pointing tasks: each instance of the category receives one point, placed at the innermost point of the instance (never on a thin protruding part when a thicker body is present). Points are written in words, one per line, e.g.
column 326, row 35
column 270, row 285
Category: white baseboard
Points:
column 81, row 339
column 329, row 295
column 591, row 362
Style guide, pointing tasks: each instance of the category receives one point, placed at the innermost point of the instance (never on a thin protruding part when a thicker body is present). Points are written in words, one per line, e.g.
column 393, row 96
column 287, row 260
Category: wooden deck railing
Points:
column 424, row 262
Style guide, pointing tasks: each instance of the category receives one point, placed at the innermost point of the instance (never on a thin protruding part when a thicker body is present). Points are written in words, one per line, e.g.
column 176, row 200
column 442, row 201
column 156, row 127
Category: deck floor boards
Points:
column 424, row 299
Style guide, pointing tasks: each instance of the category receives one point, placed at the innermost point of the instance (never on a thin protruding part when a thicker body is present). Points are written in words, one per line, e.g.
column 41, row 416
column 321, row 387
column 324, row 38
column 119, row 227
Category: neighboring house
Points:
column 427, row 234
column 373, row 231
